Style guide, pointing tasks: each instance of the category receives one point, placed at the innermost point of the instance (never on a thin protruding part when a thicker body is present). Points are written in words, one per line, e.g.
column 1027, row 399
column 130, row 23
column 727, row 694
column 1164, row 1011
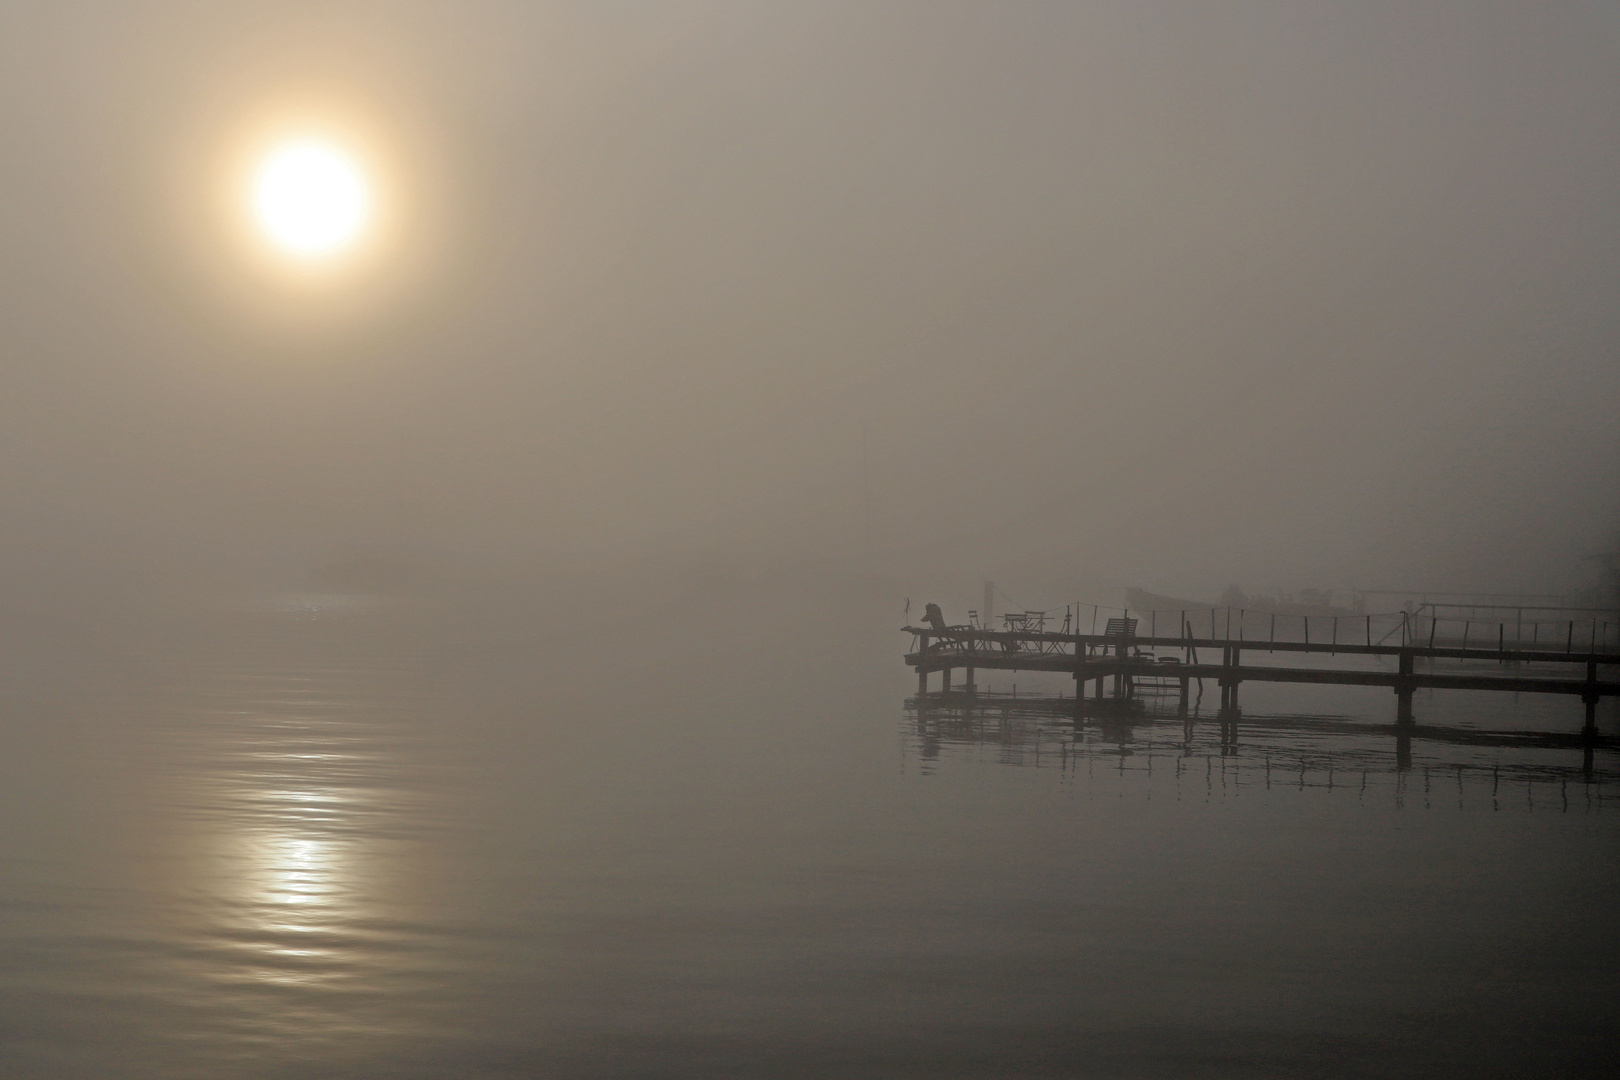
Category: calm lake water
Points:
column 329, row 837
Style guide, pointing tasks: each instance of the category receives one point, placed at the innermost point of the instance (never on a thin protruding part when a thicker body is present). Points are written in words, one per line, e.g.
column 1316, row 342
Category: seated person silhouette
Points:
column 934, row 617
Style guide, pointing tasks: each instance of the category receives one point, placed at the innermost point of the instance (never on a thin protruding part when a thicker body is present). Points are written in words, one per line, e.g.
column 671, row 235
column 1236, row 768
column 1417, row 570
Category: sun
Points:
column 311, row 198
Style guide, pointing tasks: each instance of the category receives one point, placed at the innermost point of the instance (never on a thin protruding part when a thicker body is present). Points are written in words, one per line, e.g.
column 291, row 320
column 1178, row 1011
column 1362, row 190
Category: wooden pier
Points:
column 1171, row 663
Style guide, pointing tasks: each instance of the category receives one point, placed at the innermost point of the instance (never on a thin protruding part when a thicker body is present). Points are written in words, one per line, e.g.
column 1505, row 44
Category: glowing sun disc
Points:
column 310, row 198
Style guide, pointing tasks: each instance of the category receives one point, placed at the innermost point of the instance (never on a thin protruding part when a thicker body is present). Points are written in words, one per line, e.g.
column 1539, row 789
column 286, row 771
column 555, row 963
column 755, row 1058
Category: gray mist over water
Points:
column 481, row 661
column 1084, row 293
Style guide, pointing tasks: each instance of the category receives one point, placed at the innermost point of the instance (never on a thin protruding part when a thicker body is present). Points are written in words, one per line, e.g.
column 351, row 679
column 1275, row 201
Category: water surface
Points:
column 323, row 836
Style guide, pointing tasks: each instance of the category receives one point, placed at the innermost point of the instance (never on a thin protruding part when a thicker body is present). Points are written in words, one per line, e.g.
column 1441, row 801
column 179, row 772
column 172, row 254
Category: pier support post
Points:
column 1121, row 651
column 1590, row 700
column 922, row 672
column 1182, row 708
column 1229, row 678
column 969, row 685
column 944, row 679
column 1082, row 678
column 1403, row 691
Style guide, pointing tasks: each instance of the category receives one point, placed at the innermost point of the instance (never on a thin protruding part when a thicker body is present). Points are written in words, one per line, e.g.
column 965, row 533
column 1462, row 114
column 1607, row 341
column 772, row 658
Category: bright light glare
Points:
column 310, row 198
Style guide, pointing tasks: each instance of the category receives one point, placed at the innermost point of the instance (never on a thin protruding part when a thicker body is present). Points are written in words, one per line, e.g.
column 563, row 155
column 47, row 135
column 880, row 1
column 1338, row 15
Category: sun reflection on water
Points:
column 299, row 781
column 301, row 887
column 303, row 871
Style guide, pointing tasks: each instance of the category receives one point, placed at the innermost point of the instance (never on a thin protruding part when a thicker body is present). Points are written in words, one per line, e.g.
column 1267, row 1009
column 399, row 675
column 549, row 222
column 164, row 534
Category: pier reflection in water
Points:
column 1460, row 765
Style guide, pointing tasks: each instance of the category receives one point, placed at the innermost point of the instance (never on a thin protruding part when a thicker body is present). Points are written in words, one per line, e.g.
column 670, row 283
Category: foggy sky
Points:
column 1166, row 294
